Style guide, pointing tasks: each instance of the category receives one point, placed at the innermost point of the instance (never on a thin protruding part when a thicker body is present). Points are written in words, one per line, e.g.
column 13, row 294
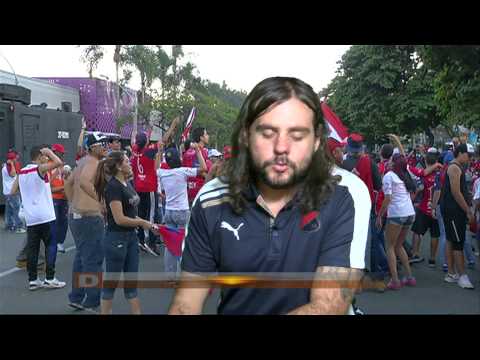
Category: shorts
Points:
column 455, row 229
column 423, row 222
column 402, row 221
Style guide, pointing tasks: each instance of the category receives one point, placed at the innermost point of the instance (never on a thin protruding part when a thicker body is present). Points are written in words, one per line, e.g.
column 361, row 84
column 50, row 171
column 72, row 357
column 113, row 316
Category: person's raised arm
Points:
column 202, row 170
column 431, row 168
column 55, row 163
column 13, row 170
column 396, row 142
column 81, row 136
column 68, row 185
column 171, row 130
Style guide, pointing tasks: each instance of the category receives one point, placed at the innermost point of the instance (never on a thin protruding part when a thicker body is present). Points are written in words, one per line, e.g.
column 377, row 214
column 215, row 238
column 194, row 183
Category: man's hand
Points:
column 379, row 222
column 471, row 218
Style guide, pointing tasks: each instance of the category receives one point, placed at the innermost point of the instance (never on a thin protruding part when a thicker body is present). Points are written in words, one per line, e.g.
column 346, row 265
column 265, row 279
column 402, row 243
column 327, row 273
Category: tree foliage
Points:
column 91, row 56
column 382, row 89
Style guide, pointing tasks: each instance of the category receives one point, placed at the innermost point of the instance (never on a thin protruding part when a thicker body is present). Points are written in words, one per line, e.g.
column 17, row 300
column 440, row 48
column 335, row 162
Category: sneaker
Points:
column 61, row 248
column 464, row 282
column 54, row 284
column 451, row 278
column 76, row 306
column 93, row 310
column 358, row 311
column 471, row 265
column 20, row 231
column 409, row 281
column 149, row 250
column 394, row 285
column 34, row 285
column 445, row 268
column 416, row 259
column 431, row 263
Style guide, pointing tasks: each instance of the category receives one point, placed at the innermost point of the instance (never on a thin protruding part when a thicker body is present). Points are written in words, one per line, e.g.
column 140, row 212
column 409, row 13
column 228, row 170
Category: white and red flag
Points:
column 188, row 125
column 338, row 130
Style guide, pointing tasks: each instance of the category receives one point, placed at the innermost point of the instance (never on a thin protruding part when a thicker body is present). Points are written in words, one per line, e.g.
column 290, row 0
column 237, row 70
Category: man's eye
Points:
column 268, row 133
column 297, row 136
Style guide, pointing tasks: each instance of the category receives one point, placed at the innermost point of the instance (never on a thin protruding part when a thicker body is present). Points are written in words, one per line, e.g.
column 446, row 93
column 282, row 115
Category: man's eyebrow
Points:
column 299, row 128
column 261, row 127
column 265, row 127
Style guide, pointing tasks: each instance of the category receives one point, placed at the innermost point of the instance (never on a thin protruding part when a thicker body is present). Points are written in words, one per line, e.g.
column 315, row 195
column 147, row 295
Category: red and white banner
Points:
column 188, row 125
column 338, row 131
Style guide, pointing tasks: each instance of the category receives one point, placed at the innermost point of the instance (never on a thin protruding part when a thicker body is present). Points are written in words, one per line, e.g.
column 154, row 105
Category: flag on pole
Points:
column 173, row 238
column 188, row 125
column 338, row 131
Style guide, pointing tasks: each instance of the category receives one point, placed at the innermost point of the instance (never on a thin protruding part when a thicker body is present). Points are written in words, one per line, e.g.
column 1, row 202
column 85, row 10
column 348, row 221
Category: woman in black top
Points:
column 121, row 242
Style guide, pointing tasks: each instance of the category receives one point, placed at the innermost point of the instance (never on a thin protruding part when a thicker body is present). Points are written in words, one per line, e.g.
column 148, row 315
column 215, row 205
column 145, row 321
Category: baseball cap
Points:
column 172, row 157
column 355, row 143
column 214, row 153
column 333, row 144
column 95, row 138
column 58, row 148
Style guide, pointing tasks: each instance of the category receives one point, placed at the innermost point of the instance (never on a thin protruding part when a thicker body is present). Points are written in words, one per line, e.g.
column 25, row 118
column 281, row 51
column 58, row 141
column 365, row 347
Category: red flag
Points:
column 172, row 237
column 188, row 125
column 338, row 131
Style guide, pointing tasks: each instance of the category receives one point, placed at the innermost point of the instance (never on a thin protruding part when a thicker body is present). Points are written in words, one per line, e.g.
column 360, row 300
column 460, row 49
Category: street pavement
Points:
column 431, row 295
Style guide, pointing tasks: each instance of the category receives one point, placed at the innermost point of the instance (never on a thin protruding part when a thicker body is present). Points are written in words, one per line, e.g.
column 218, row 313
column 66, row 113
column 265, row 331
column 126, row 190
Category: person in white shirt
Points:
column 398, row 206
column 33, row 183
column 174, row 183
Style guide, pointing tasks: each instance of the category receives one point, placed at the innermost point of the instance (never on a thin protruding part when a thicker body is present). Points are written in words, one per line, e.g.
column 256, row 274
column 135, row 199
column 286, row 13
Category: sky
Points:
column 240, row 66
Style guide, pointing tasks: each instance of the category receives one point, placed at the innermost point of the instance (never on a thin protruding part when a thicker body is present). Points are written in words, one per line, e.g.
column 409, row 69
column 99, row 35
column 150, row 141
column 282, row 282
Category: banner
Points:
column 338, row 131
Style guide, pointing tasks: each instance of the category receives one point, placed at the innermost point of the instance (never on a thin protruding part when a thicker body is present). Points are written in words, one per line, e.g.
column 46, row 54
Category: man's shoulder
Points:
column 213, row 192
column 349, row 180
column 351, row 185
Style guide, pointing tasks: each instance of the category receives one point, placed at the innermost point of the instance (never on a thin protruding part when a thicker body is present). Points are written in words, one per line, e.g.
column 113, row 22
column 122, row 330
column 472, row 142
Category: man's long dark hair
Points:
column 239, row 174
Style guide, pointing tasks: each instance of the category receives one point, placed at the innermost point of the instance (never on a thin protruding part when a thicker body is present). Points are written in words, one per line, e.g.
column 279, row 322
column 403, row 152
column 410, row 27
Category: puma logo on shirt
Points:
column 227, row 226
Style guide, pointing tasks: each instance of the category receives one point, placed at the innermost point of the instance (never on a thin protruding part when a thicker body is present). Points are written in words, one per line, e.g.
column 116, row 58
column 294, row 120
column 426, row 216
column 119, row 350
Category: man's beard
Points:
column 297, row 175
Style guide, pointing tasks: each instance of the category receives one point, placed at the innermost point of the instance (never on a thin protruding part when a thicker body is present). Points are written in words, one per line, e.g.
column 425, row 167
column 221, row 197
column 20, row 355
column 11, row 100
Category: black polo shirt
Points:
column 220, row 241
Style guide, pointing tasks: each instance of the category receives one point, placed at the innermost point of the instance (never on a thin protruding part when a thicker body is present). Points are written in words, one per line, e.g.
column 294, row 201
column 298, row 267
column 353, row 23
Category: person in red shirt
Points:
column 201, row 137
column 146, row 185
column 336, row 149
column 424, row 219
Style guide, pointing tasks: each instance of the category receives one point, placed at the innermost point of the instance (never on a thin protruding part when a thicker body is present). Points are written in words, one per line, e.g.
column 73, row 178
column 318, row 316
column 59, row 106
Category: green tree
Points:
column 91, row 56
column 382, row 89
column 456, row 82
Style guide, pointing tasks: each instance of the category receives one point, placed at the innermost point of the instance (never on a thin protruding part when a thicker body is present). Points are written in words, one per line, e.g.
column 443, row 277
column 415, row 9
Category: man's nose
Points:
column 282, row 144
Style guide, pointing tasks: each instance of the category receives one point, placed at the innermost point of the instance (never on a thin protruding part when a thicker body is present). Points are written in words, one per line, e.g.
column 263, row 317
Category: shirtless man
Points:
column 86, row 223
